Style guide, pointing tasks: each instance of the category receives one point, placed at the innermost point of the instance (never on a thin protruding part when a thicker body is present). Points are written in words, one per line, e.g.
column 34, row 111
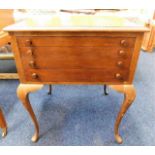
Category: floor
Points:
column 82, row 115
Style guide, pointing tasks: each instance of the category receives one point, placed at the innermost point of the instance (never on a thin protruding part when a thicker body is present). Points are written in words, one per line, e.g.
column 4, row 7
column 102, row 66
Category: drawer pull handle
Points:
column 34, row 76
column 124, row 43
column 121, row 53
column 32, row 64
column 28, row 42
column 118, row 76
column 120, row 64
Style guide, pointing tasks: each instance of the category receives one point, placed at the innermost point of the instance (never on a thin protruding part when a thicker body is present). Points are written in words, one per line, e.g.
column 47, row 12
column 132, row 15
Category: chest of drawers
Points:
column 76, row 58
column 71, row 55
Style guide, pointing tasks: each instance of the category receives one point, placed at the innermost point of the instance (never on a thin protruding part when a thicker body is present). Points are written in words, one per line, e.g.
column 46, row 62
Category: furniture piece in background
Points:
column 82, row 51
column 6, row 18
column 3, row 124
column 149, row 37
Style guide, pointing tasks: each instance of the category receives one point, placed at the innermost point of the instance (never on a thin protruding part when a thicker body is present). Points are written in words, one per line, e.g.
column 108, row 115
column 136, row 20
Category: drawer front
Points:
column 76, row 41
column 76, row 75
column 75, row 57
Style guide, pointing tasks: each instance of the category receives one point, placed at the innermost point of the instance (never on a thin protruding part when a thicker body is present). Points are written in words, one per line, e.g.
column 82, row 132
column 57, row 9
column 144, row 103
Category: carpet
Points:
column 81, row 114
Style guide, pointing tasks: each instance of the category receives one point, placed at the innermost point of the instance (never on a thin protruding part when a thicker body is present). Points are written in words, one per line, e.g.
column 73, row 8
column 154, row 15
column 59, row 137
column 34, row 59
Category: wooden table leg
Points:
column 23, row 91
column 129, row 96
column 3, row 124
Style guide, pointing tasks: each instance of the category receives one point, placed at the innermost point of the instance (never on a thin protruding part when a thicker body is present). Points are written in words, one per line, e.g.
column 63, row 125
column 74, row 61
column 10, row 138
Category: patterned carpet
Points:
column 81, row 115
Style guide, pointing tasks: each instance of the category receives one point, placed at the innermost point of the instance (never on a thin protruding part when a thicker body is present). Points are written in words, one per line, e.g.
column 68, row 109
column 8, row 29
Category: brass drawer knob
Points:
column 124, row 43
column 118, row 76
column 30, row 52
column 28, row 42
column 121, row 52
column 120, row 64
column 32, row 64
column 34, row 76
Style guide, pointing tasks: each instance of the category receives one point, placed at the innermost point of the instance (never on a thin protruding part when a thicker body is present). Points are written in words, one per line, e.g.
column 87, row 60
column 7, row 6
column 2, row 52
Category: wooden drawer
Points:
column 76, row 41
column 75, row 57
column 68, row 59
column 76, row 75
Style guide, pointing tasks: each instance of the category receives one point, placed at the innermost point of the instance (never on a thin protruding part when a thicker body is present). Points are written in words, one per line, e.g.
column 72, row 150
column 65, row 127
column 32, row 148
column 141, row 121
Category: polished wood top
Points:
column 78, row 23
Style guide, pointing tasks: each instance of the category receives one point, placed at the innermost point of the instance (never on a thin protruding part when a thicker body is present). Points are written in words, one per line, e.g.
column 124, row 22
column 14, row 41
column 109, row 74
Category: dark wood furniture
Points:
column 83, row 50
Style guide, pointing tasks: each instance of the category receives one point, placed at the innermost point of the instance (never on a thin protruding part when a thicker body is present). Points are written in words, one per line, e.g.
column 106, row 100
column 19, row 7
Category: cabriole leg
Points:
column 3, row 124
column 129, row 96
column 23, row 91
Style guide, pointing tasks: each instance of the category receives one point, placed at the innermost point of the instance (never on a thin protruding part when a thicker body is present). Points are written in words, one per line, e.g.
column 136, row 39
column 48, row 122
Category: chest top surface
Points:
column 78, row 23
